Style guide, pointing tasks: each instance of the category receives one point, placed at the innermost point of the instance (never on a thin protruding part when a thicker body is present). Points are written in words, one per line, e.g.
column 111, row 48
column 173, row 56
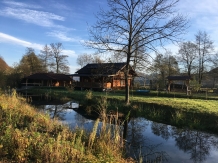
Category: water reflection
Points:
column 160, row 129
column 139, row 146
column 66, row 114
column 59, row 111
column 158, row 142
column 196, row 143
column 150, row 141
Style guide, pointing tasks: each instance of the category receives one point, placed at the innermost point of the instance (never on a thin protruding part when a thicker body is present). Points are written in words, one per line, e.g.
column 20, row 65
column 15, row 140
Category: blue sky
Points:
column 34, row 23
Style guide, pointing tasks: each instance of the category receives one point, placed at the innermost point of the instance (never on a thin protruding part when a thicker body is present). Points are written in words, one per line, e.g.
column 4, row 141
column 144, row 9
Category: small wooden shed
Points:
column 46, row 79
column 185, row 82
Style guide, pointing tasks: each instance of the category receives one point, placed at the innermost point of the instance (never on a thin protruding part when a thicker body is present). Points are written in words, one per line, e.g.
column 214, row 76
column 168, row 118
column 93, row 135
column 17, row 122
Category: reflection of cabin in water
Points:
column 102, row 76
column 179, row 83
column 46, row 79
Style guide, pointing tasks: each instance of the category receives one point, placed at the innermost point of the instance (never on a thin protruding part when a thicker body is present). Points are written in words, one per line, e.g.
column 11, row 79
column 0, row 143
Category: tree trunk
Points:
column 126, row 82
column 126, row 88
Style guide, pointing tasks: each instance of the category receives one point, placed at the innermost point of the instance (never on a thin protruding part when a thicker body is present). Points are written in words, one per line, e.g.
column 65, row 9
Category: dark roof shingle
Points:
column 101, row 69
column 179, row 77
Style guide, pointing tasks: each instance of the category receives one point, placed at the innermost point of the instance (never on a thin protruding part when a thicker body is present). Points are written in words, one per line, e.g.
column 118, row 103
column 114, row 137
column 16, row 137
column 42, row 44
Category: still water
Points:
column 149, row 139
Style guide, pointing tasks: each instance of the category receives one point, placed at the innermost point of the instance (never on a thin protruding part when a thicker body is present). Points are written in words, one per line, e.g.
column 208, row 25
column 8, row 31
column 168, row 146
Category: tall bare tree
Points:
column 172, row 64
column 164, row 65
column 188, row 56
column 45, row 56
column 205, row 49
column 117, row 29
column 84, row 59
column 60, row 63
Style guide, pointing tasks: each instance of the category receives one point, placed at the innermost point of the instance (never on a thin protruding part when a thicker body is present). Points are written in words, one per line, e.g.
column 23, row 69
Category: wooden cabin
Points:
column 46, row 79
column 102, row 76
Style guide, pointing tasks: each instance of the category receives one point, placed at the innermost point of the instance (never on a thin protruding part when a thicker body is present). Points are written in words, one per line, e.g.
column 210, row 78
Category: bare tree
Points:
column 188, row 56
column 84, row 59
column 117, row 29
column 60, row 62
column 97, row 59
column 164, row 65
column 172, row 64
column 205, row 49
column 139, row 60
column 117, row 57
column 45, row 56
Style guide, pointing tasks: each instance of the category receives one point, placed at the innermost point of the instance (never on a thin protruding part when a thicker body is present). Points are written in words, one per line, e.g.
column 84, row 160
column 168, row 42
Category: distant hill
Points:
column 3, row 65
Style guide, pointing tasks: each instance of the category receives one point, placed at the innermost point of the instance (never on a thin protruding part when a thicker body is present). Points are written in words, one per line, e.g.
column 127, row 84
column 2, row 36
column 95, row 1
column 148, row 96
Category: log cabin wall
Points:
column 102, row 76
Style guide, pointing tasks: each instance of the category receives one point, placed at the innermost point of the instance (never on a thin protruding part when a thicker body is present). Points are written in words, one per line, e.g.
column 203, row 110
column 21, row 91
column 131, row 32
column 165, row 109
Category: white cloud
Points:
column 13, row 40
column 70, row 53
column 73, row 69
column 59, row 6
column 203, row 16
column 40, row 18
column 200, row 12
column 30, row 13
column 198, row 7
column 20, row 4
column 62, row 36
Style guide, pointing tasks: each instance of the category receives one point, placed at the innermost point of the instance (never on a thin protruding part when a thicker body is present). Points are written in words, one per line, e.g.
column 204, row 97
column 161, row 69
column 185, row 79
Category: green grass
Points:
column 189, row 105
column 194, row 103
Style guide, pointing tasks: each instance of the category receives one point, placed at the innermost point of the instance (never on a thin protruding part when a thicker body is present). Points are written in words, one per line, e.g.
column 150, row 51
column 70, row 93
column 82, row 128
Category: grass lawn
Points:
column 190, row 105
column 182, row 102
column 199, row 103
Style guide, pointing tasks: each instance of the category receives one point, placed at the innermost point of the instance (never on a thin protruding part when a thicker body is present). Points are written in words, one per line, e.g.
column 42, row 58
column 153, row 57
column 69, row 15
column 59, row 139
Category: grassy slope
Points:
column 199, row 114
column 27, row 135
column 189, row 105
column 185, row 104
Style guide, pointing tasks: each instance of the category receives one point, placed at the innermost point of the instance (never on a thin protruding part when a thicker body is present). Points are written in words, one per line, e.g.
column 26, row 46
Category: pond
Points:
column 148, row 139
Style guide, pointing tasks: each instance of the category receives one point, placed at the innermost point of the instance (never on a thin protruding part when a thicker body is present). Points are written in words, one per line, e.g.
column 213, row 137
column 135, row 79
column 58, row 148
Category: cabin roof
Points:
column 103, row 69
column 49, row 76
column 179, row 77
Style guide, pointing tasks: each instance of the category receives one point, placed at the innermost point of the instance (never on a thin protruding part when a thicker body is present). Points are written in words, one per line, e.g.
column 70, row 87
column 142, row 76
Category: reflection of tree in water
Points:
column 56, row 111
column 138, row 146
column 161, row 130
column 198, row 144
column 60, row 112
column 135, row 136
column 80, row 120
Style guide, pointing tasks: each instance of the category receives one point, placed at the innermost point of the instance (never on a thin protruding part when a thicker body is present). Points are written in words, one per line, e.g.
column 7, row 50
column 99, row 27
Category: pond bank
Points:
column 27, row 135
column 144, row 137
column 182, row 112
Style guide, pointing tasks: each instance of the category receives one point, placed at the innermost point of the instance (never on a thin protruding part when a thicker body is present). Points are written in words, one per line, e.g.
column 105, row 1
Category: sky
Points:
column 34, row 23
